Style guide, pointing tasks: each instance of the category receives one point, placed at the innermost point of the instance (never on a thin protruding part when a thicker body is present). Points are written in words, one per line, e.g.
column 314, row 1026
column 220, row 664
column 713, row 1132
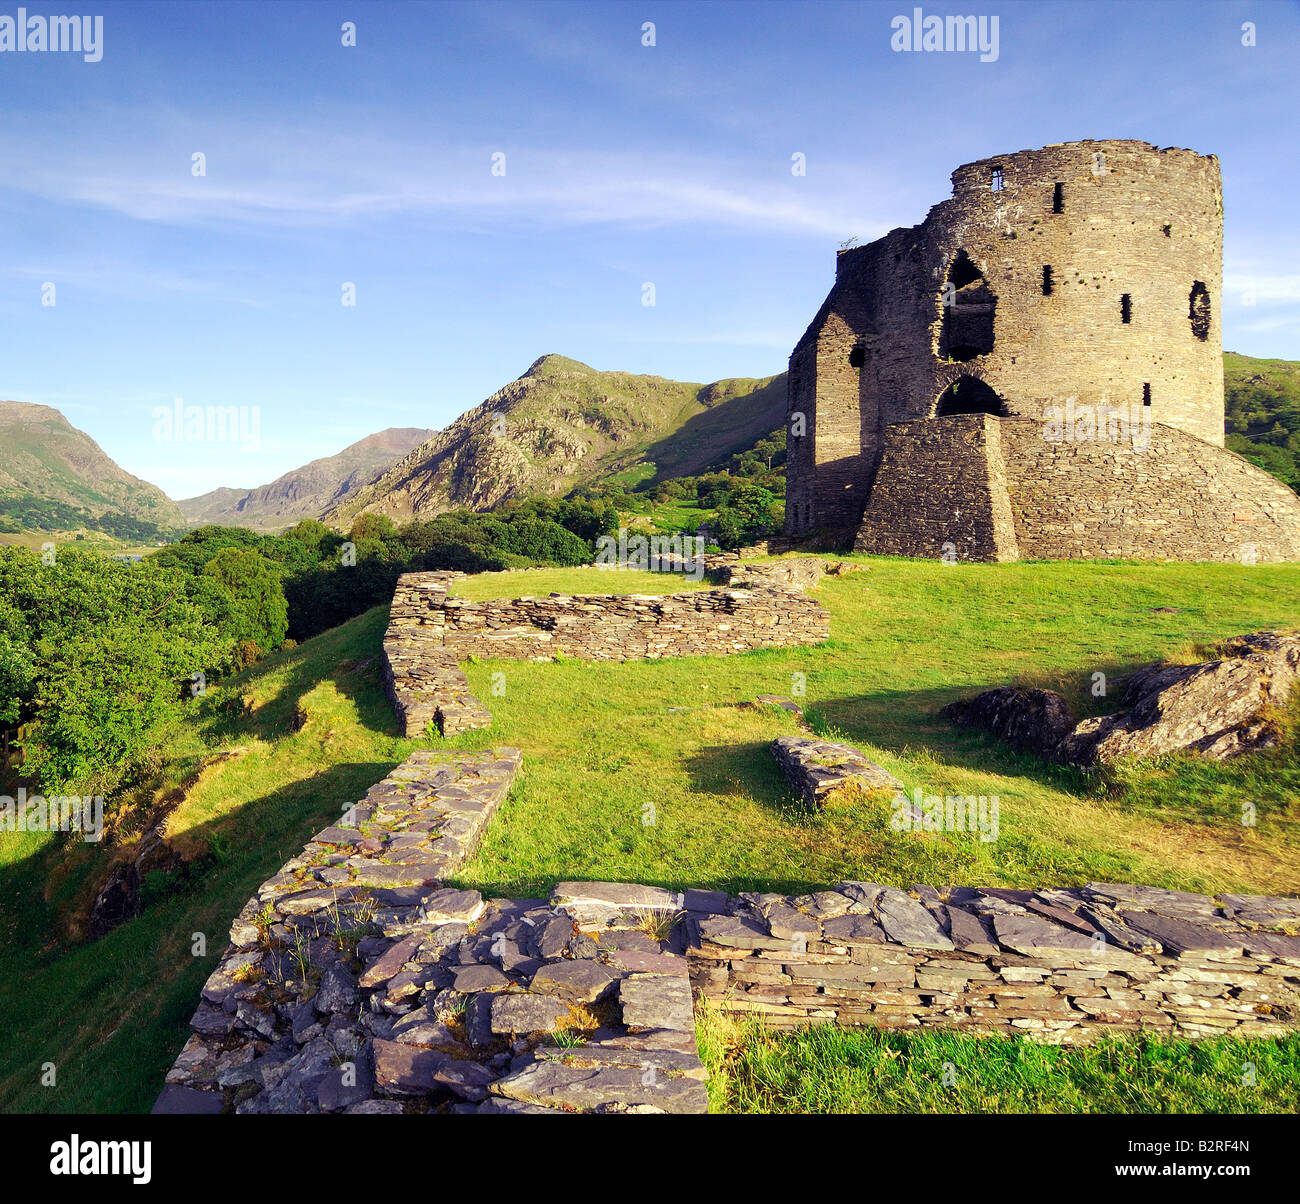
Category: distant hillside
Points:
column 54, row 477
column 1263, row 413
column 306, row 492
column 564, row 424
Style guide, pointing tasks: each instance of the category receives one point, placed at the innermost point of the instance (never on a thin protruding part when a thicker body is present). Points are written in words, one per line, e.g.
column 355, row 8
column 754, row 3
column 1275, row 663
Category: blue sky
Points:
column 625, row 164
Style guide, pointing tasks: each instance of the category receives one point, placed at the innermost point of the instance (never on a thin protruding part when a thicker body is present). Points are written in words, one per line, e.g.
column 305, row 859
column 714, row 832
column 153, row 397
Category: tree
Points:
column 243, row 592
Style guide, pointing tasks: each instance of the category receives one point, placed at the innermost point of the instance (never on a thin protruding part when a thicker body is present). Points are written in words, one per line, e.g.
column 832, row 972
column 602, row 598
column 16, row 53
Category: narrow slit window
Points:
column 1058, row 199
column 1047, row 280
column 995, row 180
column 1146, row 394
column 1125, row 308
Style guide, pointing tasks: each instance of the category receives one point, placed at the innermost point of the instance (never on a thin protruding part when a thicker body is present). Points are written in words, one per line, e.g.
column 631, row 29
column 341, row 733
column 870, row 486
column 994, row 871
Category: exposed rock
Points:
column 1031, row 720
column 1217, row 708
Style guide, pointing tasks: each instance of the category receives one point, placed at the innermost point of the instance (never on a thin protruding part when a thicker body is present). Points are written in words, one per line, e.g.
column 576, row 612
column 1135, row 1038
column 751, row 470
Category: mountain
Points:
column 306, row 492
column 54, row 477
column 564, row 424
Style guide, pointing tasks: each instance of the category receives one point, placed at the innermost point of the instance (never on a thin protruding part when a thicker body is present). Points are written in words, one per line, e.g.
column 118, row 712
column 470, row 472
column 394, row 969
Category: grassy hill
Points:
column 54, row 477
column 563, row 424
column 598, row 739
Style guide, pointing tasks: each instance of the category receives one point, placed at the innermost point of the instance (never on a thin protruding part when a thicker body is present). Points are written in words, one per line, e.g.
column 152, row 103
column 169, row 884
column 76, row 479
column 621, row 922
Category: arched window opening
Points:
column 969, row 308
column 967, row 395
column 857, row 356
column 1199, row 310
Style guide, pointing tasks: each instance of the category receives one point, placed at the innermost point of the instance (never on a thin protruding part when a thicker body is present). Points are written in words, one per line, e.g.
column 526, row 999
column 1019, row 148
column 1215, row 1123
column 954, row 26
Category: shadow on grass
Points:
column 356, row 678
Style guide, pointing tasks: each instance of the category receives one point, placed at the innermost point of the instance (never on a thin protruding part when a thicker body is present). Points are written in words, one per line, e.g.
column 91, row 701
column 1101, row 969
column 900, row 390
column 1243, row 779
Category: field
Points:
column 659, row 772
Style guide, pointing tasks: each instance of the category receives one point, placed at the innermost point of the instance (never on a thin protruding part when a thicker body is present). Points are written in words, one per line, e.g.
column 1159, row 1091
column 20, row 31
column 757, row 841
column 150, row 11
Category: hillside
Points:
column 54, row 477
column 1263, row 413
column 564, row 424
column 306, row 492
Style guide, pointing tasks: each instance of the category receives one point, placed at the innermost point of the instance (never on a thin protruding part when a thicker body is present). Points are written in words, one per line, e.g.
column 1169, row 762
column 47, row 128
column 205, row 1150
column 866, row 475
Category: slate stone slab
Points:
column 578, row 981
column 1181, row 936
column 588, row 1089
column 406, row 1069
column 908, row 922
column 526, row 1013
column 175, row 1100
column 739, row 932
column 657, row 1001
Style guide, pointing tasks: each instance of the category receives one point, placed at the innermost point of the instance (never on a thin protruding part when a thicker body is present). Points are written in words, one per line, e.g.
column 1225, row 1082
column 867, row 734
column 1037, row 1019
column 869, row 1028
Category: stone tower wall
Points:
column 1134, row 221
column 961, row 481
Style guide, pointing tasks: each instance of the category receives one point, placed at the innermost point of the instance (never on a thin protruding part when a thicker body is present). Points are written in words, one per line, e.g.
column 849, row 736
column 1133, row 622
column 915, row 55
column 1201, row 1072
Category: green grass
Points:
column 831, row 1069
column 603, row 743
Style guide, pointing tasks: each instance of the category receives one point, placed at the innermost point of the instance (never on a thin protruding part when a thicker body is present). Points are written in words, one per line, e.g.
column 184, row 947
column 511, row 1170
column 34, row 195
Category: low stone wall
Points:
column 280, row 1008
column 603, row 627
column 355, row 981
column 428, row 633
column 1059, row 965
column 997, row 489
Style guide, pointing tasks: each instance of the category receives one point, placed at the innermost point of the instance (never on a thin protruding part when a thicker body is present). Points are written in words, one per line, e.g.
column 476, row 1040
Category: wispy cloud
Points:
column 310, row 176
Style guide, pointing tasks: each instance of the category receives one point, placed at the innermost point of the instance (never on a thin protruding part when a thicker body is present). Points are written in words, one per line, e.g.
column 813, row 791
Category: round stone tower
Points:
column 1087, row 270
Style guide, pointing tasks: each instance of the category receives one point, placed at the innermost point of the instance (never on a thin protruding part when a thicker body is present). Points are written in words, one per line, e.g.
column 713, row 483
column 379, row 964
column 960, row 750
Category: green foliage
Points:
column 247, row 598
column 829, row 1069
column 1262, row 414
column 28, row 512
column 97, row 663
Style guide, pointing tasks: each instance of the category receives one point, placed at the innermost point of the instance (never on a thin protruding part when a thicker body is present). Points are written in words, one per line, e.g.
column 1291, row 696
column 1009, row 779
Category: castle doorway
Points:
column 969, row 307
column 968, row 395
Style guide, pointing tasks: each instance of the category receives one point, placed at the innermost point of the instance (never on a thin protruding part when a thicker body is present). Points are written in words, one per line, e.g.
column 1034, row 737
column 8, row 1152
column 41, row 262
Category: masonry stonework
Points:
column 1086, row 274
column 429, row 632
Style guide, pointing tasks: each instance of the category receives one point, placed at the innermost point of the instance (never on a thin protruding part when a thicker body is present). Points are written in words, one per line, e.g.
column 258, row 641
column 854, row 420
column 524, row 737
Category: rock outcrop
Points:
column 1219, row 708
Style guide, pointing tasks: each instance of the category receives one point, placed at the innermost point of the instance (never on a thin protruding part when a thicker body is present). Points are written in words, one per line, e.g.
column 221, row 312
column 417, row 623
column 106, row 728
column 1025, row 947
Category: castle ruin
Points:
column 1035, row 371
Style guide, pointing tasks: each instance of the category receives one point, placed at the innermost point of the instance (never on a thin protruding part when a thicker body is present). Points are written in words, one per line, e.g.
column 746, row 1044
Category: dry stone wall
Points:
column 1060, row 965
column 356, row 981
column 429, row 632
